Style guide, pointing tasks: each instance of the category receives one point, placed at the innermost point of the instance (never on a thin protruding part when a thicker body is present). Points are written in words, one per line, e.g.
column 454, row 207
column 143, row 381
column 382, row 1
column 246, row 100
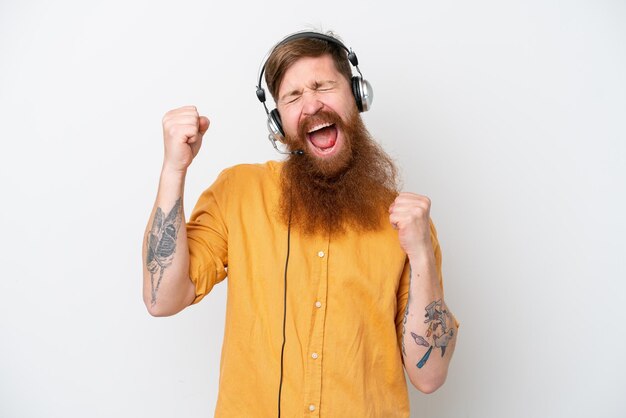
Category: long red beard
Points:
column 352, row 189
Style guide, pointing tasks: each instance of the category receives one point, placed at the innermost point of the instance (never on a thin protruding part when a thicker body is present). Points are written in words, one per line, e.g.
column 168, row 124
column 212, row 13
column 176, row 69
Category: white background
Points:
column 510, row 115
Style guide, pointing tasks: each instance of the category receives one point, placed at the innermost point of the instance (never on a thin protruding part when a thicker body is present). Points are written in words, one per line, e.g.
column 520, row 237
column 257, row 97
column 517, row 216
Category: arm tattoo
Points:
column 162, row 244
column 438, row 332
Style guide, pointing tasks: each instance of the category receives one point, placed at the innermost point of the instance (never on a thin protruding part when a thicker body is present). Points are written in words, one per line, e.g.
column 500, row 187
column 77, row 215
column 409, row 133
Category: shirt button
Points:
column 311, row 407
column 318, row 304
column 314, row 355
column 320, row 254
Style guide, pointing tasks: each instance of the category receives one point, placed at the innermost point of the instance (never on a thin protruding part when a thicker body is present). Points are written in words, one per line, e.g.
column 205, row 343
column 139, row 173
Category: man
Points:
column 334, row 277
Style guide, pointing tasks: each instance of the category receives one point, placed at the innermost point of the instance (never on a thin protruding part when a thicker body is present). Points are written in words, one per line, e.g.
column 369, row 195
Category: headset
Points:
column 361, row 88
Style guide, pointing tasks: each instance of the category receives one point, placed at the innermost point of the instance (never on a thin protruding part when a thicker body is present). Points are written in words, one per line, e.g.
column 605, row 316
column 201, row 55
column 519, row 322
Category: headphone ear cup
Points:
column 363, row 93
column 275, row 126
column 356, row 91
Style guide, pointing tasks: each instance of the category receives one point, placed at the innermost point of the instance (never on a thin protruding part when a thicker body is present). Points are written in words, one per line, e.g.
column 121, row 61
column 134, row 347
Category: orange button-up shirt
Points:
column 346, row 297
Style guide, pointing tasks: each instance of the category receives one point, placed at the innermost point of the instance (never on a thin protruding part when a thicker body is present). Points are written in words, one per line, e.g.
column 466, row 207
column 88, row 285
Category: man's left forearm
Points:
column 429, row 328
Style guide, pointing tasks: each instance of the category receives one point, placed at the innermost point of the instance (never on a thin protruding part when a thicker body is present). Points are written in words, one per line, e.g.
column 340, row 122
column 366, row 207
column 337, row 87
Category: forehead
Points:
column 308, row 70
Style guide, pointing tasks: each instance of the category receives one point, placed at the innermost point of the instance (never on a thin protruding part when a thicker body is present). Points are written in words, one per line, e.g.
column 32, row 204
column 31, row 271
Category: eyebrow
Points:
column 316, row 85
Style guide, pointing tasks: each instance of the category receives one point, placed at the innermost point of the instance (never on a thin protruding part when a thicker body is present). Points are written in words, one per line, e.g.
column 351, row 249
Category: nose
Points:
column 311, row 103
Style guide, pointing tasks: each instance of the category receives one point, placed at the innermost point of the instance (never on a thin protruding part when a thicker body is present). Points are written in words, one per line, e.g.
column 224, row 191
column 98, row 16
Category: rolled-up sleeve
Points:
column 207, row 238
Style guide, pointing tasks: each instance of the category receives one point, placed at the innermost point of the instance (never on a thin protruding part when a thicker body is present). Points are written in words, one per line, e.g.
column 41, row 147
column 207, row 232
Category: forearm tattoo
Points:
column 161, row 244
column 438, row 334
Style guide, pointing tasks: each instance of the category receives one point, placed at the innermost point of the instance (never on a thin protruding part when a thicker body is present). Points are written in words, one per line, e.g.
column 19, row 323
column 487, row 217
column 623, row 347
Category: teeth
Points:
column 318, row 127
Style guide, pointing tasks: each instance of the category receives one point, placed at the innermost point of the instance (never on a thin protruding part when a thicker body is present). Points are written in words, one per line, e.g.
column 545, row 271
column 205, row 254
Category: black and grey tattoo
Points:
column 162, row 244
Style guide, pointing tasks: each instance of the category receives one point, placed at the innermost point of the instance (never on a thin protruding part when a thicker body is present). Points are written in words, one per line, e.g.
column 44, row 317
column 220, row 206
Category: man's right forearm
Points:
column 167, row 288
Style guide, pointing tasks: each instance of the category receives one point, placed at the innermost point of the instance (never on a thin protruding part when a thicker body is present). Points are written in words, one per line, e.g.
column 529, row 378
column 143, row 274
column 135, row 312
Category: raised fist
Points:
column 183, row 129
column 410, row 215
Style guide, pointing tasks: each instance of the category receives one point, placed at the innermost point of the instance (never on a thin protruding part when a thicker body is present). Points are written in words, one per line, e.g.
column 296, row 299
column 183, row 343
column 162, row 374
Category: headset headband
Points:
column 260, row 92
column 361, row 88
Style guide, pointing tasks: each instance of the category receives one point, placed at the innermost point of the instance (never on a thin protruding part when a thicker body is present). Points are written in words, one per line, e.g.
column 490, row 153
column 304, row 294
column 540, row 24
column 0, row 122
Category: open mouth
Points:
column 323, row 137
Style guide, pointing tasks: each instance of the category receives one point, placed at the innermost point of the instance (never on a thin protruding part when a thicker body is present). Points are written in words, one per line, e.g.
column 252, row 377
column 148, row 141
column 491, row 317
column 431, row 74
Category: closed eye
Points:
column 291, row 97
column 326, row 85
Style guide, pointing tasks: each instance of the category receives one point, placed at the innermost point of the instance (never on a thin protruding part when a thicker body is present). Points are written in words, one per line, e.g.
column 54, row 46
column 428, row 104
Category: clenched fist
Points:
column 410, row 215
column 183, row 129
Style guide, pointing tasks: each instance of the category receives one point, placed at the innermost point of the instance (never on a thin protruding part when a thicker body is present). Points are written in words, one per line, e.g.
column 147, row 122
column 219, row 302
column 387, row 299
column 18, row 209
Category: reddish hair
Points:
column 285, row 55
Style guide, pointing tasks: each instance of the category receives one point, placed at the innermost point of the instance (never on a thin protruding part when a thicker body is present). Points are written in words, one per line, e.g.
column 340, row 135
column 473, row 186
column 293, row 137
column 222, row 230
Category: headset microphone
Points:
column 295, row 152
